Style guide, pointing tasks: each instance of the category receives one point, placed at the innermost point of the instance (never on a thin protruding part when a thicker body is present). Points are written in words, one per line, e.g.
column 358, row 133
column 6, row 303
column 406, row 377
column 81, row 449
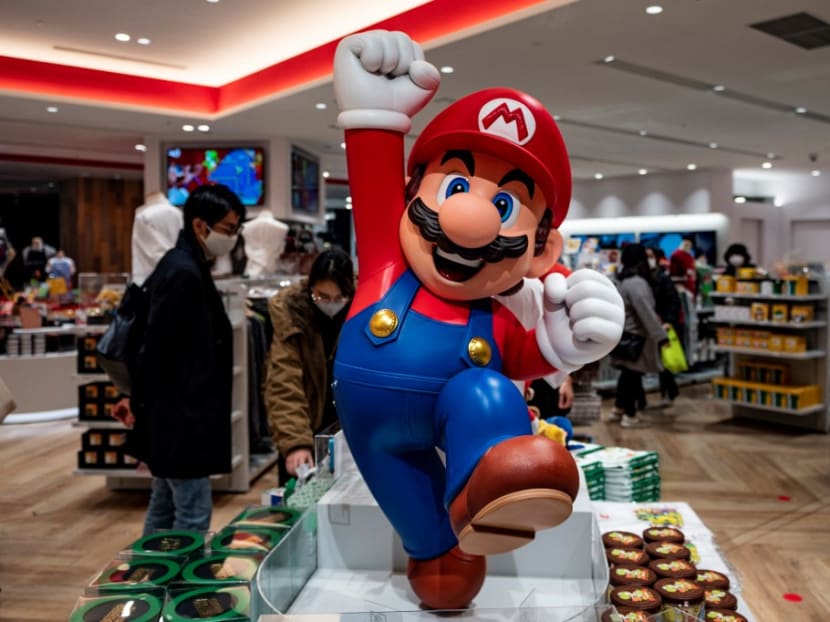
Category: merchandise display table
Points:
column 636, row 517
column 345, row 558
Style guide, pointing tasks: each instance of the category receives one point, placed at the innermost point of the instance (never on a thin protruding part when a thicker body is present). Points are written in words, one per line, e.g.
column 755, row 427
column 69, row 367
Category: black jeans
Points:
column 668, row 385
column 629, row 390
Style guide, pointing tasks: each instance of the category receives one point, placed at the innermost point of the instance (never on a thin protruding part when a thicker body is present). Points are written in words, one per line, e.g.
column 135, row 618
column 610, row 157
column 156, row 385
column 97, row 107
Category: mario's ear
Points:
column 542, row 263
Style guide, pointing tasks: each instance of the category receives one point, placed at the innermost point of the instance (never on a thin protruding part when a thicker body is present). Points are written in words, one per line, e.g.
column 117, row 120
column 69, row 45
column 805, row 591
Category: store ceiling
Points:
column 660, row 83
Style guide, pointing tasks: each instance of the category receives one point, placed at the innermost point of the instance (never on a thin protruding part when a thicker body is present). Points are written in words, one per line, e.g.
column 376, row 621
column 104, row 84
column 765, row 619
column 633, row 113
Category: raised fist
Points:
column 381, row 80
column 582, row 320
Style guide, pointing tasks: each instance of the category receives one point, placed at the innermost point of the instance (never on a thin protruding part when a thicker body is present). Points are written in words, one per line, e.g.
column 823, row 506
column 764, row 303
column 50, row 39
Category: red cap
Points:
column 510, row 125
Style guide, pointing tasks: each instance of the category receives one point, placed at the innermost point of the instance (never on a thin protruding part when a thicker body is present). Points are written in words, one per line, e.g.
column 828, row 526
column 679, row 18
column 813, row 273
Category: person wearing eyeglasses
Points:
column 307, row 318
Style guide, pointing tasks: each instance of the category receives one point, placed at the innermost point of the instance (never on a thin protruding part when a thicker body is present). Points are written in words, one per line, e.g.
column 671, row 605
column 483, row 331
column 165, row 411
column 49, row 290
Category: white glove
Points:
column 582, row 320
column 381, row 80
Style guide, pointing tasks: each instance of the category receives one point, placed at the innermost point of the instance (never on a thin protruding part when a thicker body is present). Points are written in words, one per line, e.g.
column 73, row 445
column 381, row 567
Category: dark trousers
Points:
column 668, row 385
column 629, row 391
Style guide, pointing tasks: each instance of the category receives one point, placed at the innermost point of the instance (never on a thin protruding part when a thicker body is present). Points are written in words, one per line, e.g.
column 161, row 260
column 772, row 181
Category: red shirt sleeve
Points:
column 521, row 357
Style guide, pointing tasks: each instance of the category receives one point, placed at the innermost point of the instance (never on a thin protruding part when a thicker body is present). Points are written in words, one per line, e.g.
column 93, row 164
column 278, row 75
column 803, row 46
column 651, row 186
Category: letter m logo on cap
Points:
column 507, row 118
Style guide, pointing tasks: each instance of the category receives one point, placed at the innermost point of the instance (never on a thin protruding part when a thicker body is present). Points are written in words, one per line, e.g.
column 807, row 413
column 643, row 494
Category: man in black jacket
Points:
column 181, row 399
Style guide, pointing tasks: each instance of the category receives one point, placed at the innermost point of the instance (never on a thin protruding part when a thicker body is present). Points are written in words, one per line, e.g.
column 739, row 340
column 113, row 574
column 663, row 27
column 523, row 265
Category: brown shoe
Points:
column 449, row 581
column 520, row 486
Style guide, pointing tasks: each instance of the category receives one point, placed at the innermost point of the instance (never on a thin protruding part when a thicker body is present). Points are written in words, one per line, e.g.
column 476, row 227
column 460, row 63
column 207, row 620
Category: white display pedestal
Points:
column 361, row 565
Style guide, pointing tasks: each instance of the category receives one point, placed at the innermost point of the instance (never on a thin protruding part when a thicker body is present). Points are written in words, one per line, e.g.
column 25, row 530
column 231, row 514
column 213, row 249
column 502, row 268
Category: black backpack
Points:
column 118, row 347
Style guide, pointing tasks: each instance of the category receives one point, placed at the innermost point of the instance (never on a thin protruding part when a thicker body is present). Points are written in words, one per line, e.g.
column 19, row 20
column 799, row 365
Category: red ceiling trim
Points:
column 33, row 159
column 64, row 81
column 424, row 23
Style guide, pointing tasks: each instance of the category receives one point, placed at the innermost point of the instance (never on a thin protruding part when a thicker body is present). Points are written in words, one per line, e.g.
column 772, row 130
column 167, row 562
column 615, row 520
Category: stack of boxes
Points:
column 627, row 474
column 766, row 384
column 180, row 575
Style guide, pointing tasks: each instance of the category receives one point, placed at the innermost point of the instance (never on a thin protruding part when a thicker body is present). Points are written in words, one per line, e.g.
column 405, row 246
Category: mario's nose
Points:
column 468, row 220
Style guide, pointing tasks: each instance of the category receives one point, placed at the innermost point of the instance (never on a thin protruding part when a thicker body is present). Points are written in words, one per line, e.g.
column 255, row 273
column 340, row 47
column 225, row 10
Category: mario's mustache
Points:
column 502, row 247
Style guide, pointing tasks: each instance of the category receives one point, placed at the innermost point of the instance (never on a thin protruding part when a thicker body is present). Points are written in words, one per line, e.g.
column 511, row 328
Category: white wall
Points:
column 796, row 227
column 693, row 192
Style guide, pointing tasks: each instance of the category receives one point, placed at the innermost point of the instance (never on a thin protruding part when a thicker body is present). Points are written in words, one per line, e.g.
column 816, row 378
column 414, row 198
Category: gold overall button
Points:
column 479, row 351
column 383, row 323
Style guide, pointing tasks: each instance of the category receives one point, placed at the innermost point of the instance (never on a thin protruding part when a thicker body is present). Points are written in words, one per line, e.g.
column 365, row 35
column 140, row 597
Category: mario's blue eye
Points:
column 452, row 184
column 508, row 206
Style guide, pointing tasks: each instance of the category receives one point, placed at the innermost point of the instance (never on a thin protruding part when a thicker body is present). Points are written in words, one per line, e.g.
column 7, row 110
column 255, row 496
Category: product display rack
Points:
column 243, row 469
column 806, row 367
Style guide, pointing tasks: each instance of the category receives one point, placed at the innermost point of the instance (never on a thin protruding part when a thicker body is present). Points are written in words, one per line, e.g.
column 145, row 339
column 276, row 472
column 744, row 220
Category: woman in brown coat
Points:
column 307, row 318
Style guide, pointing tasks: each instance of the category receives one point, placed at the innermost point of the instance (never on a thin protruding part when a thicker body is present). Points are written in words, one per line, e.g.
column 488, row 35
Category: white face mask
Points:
column 218, row 244
column 652, row 263
column 736, row 260
column 330, row 308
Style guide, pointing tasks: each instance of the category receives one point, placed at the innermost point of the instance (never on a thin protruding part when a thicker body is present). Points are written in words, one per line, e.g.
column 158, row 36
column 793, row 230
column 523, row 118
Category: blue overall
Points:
column 400, row 397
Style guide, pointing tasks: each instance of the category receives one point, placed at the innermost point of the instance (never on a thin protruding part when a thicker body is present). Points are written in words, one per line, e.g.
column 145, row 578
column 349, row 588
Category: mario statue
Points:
column 425, row 355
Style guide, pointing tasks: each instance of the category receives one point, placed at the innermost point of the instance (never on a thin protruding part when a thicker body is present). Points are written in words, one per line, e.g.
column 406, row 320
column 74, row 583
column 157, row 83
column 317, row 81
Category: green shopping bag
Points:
column 673, row 357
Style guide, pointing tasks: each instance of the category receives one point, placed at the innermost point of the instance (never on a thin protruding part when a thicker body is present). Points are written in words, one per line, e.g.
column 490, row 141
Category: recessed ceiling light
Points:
column 608, row 59
column 213, row 1
column 326, row 174
column 719, row 88
column 777, row 202
column 51, row 109
column 801, row 110
column 766, row 165
column 140, row 147
column 691, row 167
column 557, row 117
column 187, row 127
column 643, row 133
column 815, row 173
column 143, row 41
column 770, row 156
column 642, row 171
column 740, row 199
column 654, row 9
column 713, row 145
column 321, row 105
column 203, row 128
column 597, row 175
column 447, row 69
column 342, row 145
column 123, row 37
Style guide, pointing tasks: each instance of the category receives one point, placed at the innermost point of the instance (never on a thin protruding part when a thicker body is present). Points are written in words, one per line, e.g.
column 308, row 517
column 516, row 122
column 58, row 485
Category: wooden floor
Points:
column 763, row 490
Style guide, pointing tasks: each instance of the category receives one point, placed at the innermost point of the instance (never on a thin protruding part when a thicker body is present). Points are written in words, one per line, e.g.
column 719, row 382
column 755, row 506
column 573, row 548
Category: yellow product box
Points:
column 796, row 286
column 802, row 313
column 795, row 343
column 759, row 339
column 725, row 284
column 747, row 287
column 726, row 336
column 775, row 342
column 746, row 273
column 743, row 338
column 779, row 313
column 759, row 312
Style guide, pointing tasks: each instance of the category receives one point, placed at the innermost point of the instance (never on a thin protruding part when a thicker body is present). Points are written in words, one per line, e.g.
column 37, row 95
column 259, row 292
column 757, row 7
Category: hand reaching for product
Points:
column 122, row 412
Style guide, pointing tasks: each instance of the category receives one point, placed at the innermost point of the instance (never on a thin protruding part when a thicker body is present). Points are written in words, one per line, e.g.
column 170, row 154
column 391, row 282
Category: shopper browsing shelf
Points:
column 642, row 331
column 307, row 318
column 181, row 399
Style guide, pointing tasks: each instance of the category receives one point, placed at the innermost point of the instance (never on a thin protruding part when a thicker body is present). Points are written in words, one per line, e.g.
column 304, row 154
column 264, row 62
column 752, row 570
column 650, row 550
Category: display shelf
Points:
column 131, row 473
column 777, row 297
column 806, row 369
column 793, row 325
column 809, row 354
column 809, row 410
column 99, row 425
